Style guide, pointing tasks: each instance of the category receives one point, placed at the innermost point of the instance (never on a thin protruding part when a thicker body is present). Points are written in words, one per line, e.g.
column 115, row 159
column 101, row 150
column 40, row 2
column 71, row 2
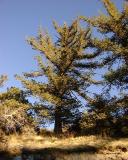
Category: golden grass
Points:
column 106, row 147
column 45, row 142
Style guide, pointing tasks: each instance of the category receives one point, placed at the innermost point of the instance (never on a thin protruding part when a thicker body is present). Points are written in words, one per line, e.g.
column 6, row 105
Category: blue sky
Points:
column 21, row 18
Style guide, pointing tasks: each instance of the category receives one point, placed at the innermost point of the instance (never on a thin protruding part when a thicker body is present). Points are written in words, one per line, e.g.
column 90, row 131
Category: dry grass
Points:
column 39, row 142
column 105, row 147
column 33, row 141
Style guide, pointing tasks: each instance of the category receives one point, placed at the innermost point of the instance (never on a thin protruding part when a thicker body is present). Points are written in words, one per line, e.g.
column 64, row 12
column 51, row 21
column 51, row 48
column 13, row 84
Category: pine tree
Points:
column 63, row 68
column 113, row 48
column 114, row 28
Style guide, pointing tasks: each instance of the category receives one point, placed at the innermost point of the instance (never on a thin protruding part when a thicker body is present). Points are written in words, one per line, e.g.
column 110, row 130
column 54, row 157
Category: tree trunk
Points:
column 58, row 121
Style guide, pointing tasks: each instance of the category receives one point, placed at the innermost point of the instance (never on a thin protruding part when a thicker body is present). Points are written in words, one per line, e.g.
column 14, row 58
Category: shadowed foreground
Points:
column 51, row 153
column 51, row 148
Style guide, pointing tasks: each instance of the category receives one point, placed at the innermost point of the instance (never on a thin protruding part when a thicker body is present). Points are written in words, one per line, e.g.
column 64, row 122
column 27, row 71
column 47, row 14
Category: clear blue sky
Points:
column 21, row 18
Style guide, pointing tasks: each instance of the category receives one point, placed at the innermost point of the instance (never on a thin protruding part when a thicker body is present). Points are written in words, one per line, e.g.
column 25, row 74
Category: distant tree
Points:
column 62, row 63
column 3, row 78
column 100, row 117
column 107, row 117
column 13, row 110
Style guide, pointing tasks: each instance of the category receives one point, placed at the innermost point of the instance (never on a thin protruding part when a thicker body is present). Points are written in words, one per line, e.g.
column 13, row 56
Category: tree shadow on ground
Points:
column 4, row 155
column 48, row 153
column 54, row 153
column 78, row 149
